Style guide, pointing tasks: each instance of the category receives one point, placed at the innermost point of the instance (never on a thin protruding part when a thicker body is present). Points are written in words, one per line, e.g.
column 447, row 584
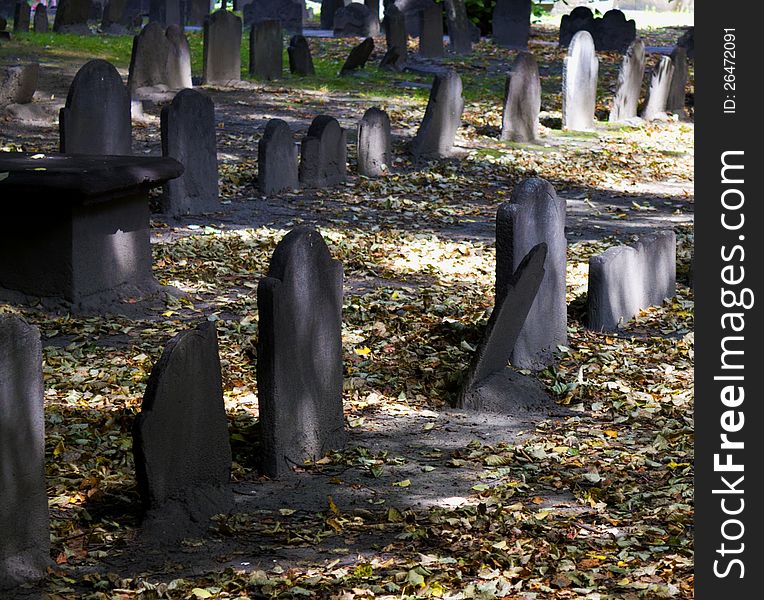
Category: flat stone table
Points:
column 76, row 229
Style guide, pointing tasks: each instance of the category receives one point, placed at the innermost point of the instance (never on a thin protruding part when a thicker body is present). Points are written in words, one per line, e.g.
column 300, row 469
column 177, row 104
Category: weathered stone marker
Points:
column 196, row 12
column 374, row 148
column 21, row 16
column 491, row 385
column 40, row 23
column 431, row 36
column 96, row 117
column 522, row 102
column 660, row 85
column 222, row 48
column 300, row 59
column 24, row 519
column 299, row 353
column 160, row 57
column 512, row 23
column 18, row 83
column 626, row 279
column 355, row 19
column 395, row 35
column 180, row 438
column 629, row 87
column 676, row 96
column 113, row 20
column 613, row 32
column 277, row 159
column 166, row 12
column 266, row 50
column 188, row 136
column 323, row 153
column 459, row 27
column 358, row 57
column 581, row 18
column 288, row 12
column 442, row 117
column 535, row 214
column 328, row 9
column 579, row 84
column 72, row 17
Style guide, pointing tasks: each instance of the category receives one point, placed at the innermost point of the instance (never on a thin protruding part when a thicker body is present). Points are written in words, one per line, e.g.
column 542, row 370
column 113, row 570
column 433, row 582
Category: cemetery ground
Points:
column 593, row 501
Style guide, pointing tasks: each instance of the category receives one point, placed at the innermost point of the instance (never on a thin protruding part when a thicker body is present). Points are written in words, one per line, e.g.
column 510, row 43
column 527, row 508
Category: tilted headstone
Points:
column 512, row 23
column 358, row 57
column 96, row 117
column 299, row 353
column 289, row 12
column 323, row 153
column 222, row 48
column 355, row 19
column 459, row 27
column 180, row 438
column 196, row 12
column 24, row 518
column 431, row 37
column 277, row 159
column 522, row 102
column 300, row 59
column 266, row 49
column 491, row 385
column 21, row 16
column 626, row 279
column 374, row 147
column 72, row 16
column 629, row 85
column 18, row 83
column 442, row 117
column 535, row 214
column 395, row 35
column 676, row 96
column 660, row 85
column 40, row 23
column 613, row 33
column 579, row 83
column 160, row 57
column 188, row 136
column 581, row 18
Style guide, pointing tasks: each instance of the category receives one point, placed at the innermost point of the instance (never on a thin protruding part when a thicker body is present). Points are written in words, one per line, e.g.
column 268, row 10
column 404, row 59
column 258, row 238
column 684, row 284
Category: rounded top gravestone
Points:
column 523, row 100
column 579, row 83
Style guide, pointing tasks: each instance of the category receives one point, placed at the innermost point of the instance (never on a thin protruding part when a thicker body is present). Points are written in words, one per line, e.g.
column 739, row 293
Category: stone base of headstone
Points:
column 508, row 392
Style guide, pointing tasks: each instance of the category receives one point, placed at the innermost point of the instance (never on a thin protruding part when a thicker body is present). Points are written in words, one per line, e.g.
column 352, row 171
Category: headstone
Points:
column 299, row 354
column 358, row 56
column 41, row 24
column 188, row 136
column 391, row 61
column 300, row 59
column 613, row 33
column 459, row 31
column 660, row 85
column 196, row 12
column 222, row 48
column 72, row 17
column 113, row 20
column 323, row 153
column 431, row 38
column 277, row 159
column 581, row 18
column 180, row 438
column 289, row 12
column 18, row 83
column 512, row 23
column 178, row 59
column 160, row 57
column 626, row 279
column 676, row 96
column 328, row 10
column 374, row 147
column 442, row 117
column 166, row 12
column 535, row 214
column 21, row 17
column 266, row 50
column 96, row 117
column 355, row 19
column 629, row 86
column 579, row 83
column 411, row 10
column 491, row 385
column 24, row 518
column 522, row 102
column 395, row 35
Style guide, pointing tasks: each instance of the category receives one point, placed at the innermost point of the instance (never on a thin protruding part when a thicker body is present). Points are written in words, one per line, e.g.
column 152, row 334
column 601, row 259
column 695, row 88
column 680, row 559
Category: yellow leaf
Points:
column 611, row 433
column 363, row 351
column 201, row 593
column 404, row 483
column 333, row 506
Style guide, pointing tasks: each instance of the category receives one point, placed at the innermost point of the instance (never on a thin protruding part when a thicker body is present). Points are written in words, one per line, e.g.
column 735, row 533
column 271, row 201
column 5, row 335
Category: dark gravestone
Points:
column 113, row 20
column 166, row 12
column 687, row 41
column 522, row 102
column 374, row 148
column 629, row 85
column 72, row 16
column 328, row 9
column 613, row 33
column 277, row 159
column 411, row 10
column 391, row 61
column 18, row 84
column 96, row 117
column 660, row 85
column 626, row 279
column 266, row 50
column 21, row 17
column 188, row 136
column 579, row 84
column 676, row 96
column 459, row 32
column 300, row 59
column 358, row 57
column 222, row 48
column 491, row 385
column 396, row 37
column 41, row 24
column 323, row 153
column 431, row 37
column 355, row 19
column 299, row 353
column 196, row 12
column 442, row 117
column 24, row 519
column 535, row 214
column 512, row 23
column 580, row 18
column 288, row 12
column 160, row 58
column 180, row 439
